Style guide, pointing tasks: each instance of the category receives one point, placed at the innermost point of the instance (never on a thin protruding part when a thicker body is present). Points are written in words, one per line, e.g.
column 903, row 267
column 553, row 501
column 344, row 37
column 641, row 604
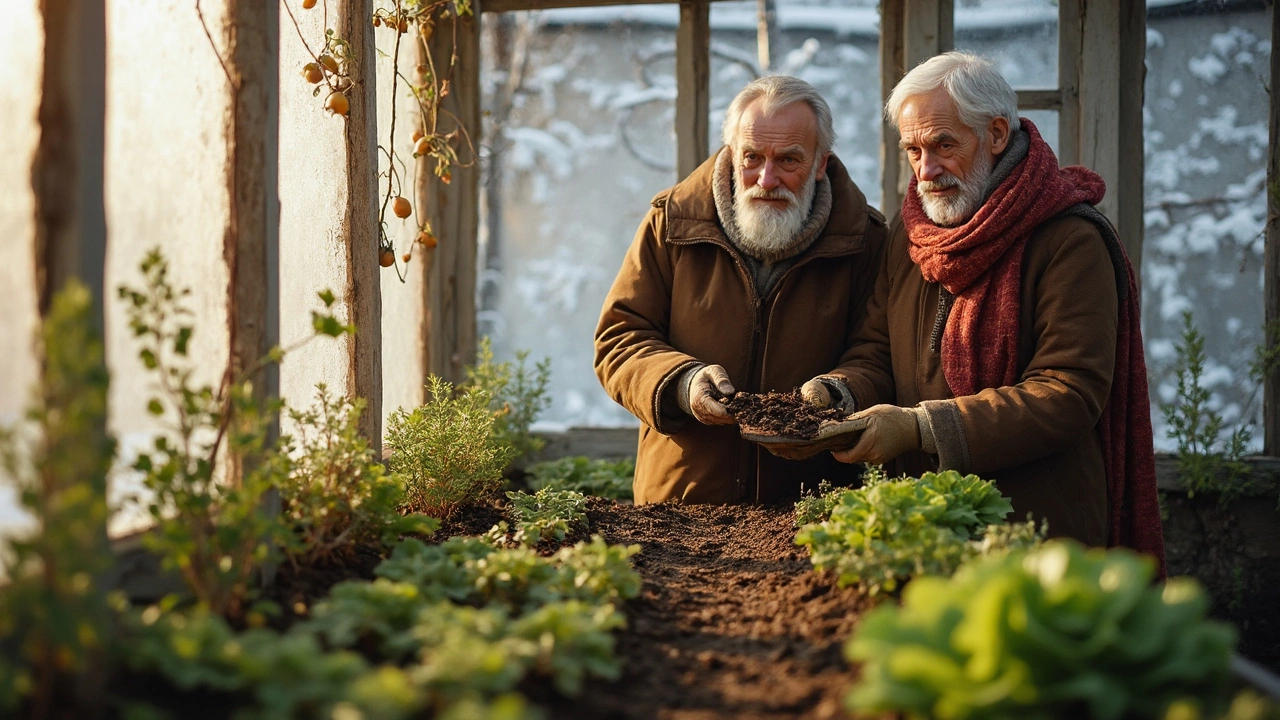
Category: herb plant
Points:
column 603, row 478
column 889, row 531
column 1054, row 632
column 546, row 516
column 337, row 495
column 516, row 394
column 54, row 618
column 447, row 451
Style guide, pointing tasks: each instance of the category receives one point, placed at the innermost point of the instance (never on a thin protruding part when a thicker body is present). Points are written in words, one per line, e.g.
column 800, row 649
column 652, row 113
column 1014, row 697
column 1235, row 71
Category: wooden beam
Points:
column 1070, row 37
column 892, row 68
column 67, row 170
column 1131, row 90
column 453, row 208
column 1271, row 256
column 252, row 236
column 693, row 86
column 363, row 291
column 1039, row 100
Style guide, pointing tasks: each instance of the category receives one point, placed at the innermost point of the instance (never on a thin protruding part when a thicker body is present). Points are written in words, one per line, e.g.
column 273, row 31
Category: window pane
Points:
column 1205, row 130
column 1021, row 36
column 1046, row 121
column 578, row 136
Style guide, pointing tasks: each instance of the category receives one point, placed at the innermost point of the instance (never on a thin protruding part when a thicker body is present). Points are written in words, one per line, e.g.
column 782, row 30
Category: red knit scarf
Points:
column 980, row 262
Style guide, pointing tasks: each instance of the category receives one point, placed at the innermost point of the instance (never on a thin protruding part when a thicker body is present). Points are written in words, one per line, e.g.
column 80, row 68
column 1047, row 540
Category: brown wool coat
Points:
column 1036, row 439
column 684, row 296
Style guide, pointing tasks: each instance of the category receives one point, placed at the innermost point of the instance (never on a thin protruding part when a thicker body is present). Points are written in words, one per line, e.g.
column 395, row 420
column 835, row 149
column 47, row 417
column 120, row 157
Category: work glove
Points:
column 890, row 431
column 699, row 392
column 826, row 391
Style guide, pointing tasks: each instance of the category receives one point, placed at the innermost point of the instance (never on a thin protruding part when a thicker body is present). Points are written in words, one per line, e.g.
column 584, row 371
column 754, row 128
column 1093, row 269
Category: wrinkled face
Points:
column 777, row 167
column 951, row 162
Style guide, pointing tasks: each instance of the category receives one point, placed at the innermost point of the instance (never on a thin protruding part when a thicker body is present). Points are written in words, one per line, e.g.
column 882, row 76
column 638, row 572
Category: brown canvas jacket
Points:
column 1036, row 439
column 684, row 296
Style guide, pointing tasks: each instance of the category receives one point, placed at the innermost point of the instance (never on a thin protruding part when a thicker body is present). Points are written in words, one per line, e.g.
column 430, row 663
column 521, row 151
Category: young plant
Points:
column 1054, row 632
column 817, row 507
column 210, row 474
column 54, row 618
column 1205, row 463
column 447, row 451
column 602, row 478
column 886, row 532
column 337, row 495
column 517, row 395
column 547, row 516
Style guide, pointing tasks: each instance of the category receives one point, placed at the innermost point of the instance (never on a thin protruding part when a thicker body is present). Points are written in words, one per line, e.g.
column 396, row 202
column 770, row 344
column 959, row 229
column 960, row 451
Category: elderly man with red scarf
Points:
column 1003, row 337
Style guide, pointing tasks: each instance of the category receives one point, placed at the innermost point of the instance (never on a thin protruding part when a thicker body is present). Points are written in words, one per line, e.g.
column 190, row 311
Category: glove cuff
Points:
column 683, row 383
column 928, row 443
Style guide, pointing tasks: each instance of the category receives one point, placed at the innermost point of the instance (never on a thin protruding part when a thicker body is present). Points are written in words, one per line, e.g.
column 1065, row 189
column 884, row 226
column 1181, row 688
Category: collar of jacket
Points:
column 692, row 217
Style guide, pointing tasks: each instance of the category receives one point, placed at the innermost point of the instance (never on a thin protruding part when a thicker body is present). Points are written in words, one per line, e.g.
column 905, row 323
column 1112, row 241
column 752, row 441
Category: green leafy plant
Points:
column 816, row 507
column 517, row 395
column 888, row 531
column 546, row 516
column 1054, row 632
column 447, row 451
column 337, row 494
column 602, row 478
column 1206, row 462
column 54, row 618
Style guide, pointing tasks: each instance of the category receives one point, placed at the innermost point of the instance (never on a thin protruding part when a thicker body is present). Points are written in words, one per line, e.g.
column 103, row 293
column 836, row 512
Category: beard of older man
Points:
column 765, row 229
column 954, row 211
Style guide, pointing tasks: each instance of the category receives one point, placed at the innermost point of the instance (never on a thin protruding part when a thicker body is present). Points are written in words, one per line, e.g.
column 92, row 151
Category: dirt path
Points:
column 732, row 621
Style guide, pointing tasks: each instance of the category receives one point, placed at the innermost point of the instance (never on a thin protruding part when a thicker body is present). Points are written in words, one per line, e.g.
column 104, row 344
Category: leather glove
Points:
column 699, row 392
column 890, row 431
column 826, row 391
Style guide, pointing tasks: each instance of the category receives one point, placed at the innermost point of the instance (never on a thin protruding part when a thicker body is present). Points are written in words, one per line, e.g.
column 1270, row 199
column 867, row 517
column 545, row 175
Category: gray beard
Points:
column 765, row 230
column 953, row 211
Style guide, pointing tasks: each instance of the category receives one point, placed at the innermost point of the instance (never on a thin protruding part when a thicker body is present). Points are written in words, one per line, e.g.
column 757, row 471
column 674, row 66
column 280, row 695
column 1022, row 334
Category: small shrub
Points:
column 516, row 394
column 447, row 451
column 1054, row 632
column 889, row 531
column 609, row 479
column 337, row 495
column 817, row 507
column 54, row 619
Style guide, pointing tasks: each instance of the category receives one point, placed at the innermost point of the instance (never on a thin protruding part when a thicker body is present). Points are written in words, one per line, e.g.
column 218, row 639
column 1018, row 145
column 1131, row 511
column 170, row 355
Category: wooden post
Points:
column 693, row 86
column 363, row 291
column 67, row 172
column 453, row 207
column 1112, row 45
column 1070, row 29
column 1271, row 256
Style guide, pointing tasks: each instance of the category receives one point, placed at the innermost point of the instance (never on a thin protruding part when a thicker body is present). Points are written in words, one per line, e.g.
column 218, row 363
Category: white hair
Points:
column 979, row 91
column 779, row 91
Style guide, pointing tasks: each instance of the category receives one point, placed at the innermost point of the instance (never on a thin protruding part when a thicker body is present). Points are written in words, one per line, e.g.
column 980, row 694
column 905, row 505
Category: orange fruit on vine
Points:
column 422, row 146
column 329, row 63
column 405, row 257
column 387, row 257
column 338, row 104
column 427, row 240
column 446, row 177
column 308, row 4
column 416, row 136
column 377, row 21
column 403, row 24
column 401, row 207
column 312, row 73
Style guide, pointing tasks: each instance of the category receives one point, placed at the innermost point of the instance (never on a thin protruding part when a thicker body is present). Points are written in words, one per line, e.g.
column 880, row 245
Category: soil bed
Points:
column 781, row 414
column 732, row 621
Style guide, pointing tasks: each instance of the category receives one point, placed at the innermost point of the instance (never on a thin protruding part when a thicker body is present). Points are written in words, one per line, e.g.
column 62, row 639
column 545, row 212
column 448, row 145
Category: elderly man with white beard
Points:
column 1003, row 336
column 751, row 274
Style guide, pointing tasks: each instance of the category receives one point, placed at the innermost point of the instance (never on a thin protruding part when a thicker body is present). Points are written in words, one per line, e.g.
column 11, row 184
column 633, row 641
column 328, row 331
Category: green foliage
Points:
column 516, row 394
column 602, row 478
column 209, row 476
column 53, row 615
column 1054, row 632
column 447, row 451
column 337, row 495
column 286, row 676
column 1205, row 462
column 817, row 507
column 1246, row 705
column 546, row 516
column 889, row 531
